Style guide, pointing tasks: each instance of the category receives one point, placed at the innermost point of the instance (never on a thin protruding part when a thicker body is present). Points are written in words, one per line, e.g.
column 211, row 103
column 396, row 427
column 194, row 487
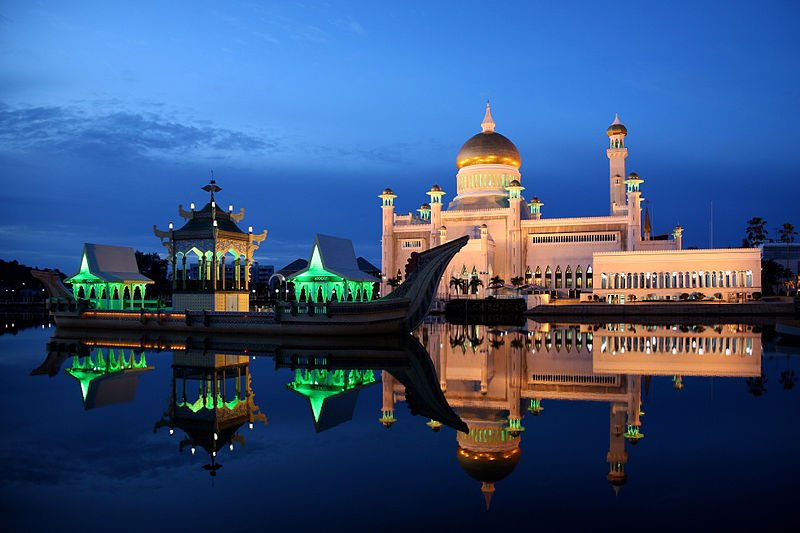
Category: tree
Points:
column 458, row 284
column 496, row 283
column 393, row 282
column 787, row 233
column 517, row 281
column 474, row 284
column 155, row 268
column 756, row 233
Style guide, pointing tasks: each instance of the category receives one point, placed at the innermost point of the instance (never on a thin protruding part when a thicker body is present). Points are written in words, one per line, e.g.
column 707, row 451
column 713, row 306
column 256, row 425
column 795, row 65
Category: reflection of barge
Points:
column 400, row 311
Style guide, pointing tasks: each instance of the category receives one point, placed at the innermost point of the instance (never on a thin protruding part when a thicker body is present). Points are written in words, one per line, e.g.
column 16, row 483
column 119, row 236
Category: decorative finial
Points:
column 488, row 121
column 616, row 119
column 488, row 490
column 212, row 186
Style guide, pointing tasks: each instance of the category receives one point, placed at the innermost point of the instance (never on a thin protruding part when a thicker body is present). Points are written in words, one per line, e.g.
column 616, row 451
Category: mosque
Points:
column 511, row 239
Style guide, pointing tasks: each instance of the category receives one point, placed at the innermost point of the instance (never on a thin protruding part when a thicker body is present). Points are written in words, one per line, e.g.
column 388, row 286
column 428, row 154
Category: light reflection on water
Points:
column 556, row 412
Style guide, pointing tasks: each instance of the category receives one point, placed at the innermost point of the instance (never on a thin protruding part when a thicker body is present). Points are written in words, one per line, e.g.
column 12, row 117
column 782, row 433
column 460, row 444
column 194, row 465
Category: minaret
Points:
column 387, row 238
column 617, row 457
column 514, row 231
column 436, row 194
column 535, row 206
column 387, row 409
column 617, row 153
column 677, row 234
column 633, row 182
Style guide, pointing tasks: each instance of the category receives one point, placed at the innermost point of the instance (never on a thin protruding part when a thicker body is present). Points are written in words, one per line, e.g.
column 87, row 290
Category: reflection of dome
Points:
column 488, row 467
column 617, row 479
column 488, row 147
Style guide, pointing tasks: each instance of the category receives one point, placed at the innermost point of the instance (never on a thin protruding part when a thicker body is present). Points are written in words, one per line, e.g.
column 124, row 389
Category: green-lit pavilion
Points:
column 331, row 394
column 109, row 277
column 332, row 273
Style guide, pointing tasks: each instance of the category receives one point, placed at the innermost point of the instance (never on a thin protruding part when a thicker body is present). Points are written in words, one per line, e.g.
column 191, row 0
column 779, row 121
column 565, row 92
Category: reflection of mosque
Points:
column 108, row 375
column 492, row 376
column 211, row 399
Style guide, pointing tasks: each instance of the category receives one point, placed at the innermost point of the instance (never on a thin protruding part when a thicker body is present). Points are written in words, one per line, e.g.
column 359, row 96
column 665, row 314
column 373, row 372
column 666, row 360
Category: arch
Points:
column 568, row 282
column 589, row 277
column 558, row 276
column 528, row 275
column 548, row 276
column 578, row 277
column 537, row 277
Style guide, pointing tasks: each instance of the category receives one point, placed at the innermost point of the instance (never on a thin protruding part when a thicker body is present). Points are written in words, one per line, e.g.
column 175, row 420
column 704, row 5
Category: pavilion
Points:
column 109, row 277
column 332, row 273
column 331, row 394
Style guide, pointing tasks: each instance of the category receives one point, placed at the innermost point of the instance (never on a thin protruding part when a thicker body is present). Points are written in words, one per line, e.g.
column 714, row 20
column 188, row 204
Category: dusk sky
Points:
column 113, row 113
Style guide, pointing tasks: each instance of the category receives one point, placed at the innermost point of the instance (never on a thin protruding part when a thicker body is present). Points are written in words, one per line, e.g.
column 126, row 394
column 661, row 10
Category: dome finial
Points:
column 488, row 491
column 616, row 119
column 488, row 121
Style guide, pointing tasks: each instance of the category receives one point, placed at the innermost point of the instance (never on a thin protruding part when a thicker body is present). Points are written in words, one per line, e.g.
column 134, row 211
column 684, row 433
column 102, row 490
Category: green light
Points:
column 87, row 369
column 319, row 384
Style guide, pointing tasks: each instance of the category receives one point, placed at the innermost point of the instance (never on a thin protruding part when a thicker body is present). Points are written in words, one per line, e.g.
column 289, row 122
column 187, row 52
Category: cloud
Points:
column 350, row 25
column 118, row 134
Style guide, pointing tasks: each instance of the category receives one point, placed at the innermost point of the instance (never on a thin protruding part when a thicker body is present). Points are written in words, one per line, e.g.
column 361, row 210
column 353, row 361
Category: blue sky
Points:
column 113, row 113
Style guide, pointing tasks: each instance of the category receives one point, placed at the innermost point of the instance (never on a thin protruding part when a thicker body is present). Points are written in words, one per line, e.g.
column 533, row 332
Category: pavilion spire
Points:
column 212, row 186
column 488, row 121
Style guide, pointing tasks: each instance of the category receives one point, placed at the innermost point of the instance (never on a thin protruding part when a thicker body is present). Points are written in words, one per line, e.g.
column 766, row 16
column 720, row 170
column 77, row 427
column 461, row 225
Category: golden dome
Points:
column 436, row 188
column 616, row 128
column 488, row 148
column 488, row 467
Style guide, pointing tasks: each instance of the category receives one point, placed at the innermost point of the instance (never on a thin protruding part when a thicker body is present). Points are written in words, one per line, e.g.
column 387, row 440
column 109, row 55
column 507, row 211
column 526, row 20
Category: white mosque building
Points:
column 510, row 237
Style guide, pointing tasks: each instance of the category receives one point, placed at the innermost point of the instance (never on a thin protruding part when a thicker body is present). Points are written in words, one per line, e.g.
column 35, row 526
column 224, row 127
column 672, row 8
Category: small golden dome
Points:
column 616, row 128
column 515, row 183
column 387, row 190
column 436, row 188
column 633, row 176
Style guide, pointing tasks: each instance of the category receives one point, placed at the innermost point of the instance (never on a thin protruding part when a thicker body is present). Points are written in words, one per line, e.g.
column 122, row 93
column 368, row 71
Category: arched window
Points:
column 558, row 277
column 528, row 275
column 589, row 280
column 537, row 279
column 578, row 277
column 568, row 275
column 548, row 277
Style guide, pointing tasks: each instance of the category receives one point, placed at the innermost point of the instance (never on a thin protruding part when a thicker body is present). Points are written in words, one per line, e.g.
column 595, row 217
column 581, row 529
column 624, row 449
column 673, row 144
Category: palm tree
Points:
column 757, row 386
column 393, row 282
column 517, row 281
column 496, row 283
column 457, row 283
column 473, row 285
column 787, row 233
column 756, row 233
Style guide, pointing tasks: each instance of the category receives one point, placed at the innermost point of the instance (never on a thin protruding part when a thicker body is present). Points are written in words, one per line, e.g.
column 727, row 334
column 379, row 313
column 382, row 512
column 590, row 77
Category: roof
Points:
column 110, row 263
column 366, row 266
column 203, row 221
column 335, row 255
column 294, row 266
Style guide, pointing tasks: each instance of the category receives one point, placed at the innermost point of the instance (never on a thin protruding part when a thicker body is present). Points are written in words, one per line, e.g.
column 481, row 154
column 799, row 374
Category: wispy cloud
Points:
column 118, row 134
column 350, row 25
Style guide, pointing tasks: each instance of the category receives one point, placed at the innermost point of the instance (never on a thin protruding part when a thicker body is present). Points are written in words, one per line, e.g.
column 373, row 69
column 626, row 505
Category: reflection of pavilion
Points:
column 489, row 374
column 211, row 399
column 108, row 375
column 331, row 394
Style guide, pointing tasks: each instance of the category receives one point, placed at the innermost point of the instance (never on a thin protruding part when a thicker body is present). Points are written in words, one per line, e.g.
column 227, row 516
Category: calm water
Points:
column 719, row 447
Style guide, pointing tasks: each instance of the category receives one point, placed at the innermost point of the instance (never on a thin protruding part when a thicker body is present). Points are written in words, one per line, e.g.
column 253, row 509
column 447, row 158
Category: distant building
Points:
column 786, row 255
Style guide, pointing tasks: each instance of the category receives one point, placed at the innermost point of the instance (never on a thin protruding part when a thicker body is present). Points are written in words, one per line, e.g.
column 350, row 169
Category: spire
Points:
column 488, row 121
column 647, row 225
column 616, row 119
column 488, row 490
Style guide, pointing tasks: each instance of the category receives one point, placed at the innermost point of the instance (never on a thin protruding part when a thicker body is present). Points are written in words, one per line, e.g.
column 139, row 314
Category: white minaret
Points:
column 387, row 238
column 514, row 250
column 633, row 182
column 617, row 153
column 436, row 194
